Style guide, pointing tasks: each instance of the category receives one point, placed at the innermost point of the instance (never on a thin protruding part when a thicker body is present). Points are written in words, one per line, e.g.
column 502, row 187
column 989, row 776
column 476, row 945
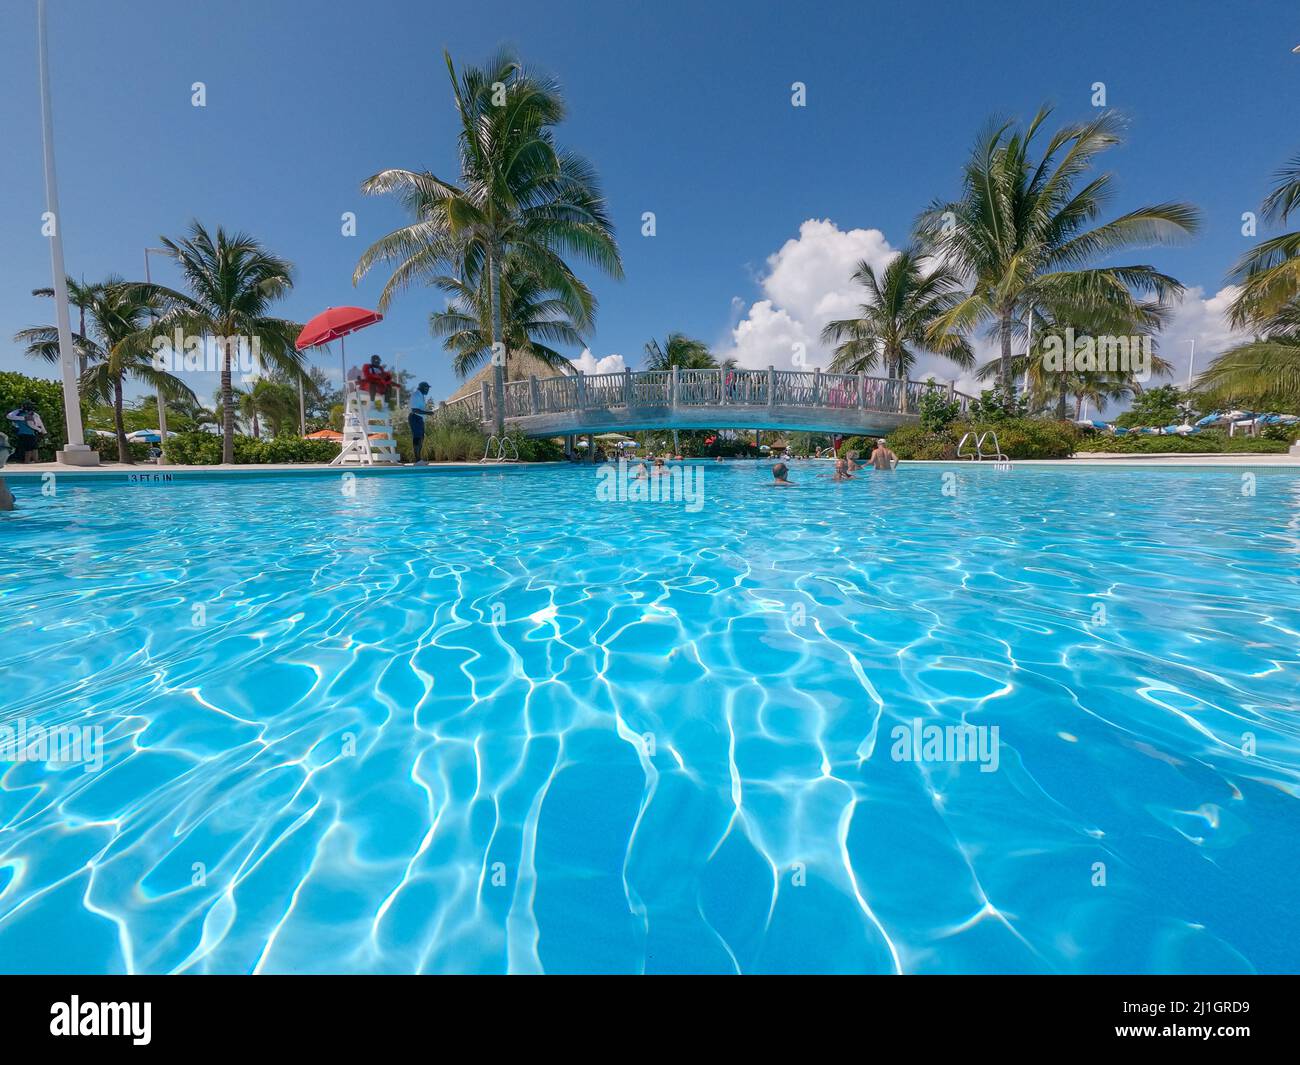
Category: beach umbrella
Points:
column 145, row 436
column 334, row 324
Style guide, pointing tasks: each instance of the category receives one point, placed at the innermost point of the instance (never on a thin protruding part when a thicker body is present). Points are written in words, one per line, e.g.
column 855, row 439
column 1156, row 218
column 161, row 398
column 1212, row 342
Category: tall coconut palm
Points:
column 78, row 296
column 1269, row 274
column 1263, row 373
column 681, row 351
column 114, row 344
column 1047, row 386
column 896, row 320
column 232, row 282
column 532, row 319
column 1266, row 371
column 517, row 195
column 1023, row 232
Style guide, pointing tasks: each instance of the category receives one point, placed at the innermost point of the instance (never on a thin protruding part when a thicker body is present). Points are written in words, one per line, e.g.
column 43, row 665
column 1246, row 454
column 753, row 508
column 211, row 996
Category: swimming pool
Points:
column 484, row 722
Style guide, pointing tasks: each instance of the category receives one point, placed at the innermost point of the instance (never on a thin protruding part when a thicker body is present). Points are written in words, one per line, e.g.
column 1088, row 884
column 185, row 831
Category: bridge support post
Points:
column 582, row 390
column 817, row 386
column 771, row 387
column 862, row 391
column 487, row 402
column 673, row 388
column 534, row 394
column 627, row 389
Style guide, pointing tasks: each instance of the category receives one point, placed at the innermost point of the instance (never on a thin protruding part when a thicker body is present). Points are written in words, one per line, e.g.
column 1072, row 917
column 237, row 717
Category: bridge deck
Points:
column 796, row 400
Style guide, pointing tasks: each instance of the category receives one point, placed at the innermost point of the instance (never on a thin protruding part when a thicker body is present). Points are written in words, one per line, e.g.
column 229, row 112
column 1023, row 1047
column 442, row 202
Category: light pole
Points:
column 162, row 403
column 75, row 452
column 1191, row 361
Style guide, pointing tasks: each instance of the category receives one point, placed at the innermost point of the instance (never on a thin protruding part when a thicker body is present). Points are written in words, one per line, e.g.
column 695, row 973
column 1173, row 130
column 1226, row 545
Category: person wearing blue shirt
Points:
column 419, row 407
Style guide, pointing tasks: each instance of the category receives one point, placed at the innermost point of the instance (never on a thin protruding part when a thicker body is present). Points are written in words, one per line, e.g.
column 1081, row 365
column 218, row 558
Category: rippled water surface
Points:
column 482, row 722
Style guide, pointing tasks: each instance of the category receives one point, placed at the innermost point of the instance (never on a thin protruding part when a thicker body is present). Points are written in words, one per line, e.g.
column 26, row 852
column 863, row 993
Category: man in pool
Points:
column 419, row 407
column 6, row 496
column 780, row 476
column 882, row 458
column 841, row 471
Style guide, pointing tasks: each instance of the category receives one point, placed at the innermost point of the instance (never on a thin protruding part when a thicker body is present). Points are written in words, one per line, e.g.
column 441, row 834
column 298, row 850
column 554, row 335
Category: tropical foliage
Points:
column 232, row 282
column 532, row 319
column 899, row 318
column 681, row 351
column 1023, row 233
column 1265, row 373
column 114, row 344
column 518, row 199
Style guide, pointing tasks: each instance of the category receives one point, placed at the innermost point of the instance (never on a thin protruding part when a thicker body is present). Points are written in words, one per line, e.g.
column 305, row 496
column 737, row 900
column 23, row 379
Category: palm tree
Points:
column 1269, row 274
column 1265, row 372
column 233, row 281
column 1046, row 386
column 681, row 351
column 517, row 195
column 897, row 318
column 1019, row 233
column 115, row 343
column 532, row 319
column 79, row 296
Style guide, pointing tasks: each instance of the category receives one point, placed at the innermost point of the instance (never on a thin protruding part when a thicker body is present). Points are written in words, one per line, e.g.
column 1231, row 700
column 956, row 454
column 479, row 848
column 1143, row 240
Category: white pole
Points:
column 162, row 403
column 1191, row 361
column 71, row 399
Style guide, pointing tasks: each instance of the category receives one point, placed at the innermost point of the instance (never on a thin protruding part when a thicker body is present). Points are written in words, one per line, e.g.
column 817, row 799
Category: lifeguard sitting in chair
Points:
column 374, row 378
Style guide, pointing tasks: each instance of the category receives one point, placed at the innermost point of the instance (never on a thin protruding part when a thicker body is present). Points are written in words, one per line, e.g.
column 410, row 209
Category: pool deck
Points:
column 149, row 473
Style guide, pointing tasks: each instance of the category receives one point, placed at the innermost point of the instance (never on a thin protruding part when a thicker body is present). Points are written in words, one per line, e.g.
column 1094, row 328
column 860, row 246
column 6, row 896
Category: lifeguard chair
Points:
column 367, row 432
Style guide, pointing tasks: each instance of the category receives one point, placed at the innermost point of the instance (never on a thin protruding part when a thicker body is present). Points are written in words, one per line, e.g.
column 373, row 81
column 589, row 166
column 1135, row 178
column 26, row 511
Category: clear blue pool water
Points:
column 481, row 722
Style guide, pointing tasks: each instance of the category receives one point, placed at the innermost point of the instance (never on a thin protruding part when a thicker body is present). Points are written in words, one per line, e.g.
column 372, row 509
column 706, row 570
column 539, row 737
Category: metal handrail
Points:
column 712, row 387
column 979, row 455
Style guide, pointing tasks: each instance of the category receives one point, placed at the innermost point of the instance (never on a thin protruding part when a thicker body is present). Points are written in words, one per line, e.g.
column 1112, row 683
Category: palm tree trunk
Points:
column 119, row 426
column 1060, row 400
column 227, row 408
column 498, row 365
column 81, row 355
column 1004, row 367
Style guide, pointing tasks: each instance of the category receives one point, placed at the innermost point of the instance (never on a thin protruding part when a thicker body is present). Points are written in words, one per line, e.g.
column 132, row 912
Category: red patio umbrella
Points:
column 334, row 324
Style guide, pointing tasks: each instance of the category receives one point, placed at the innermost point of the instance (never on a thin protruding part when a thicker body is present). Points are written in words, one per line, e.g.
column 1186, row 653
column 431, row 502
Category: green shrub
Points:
column 1207, row 442
column 1019, row 438
column 535, row 450
column 1289, row 433
column 106, row 446
column 46, row 397
column 204, row 449
column 937, row 410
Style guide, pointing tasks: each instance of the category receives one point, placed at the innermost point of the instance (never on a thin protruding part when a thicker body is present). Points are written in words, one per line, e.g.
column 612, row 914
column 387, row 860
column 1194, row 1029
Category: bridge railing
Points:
column 721, row 386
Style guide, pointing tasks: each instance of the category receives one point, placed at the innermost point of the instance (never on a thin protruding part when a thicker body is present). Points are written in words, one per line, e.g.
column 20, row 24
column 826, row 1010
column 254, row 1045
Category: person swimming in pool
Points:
column 781, row 476
column 882, row 458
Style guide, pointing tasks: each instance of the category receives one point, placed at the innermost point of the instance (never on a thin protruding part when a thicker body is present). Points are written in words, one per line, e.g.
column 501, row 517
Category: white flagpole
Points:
column 75, row 452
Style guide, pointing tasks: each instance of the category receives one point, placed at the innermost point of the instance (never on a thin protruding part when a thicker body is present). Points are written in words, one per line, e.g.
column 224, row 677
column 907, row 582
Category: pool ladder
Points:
column 505, row 450
column 979, row 455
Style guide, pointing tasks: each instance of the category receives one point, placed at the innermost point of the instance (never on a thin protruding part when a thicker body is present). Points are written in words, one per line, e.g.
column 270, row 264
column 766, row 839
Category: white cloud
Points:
column 808, row 282
column 588, row 363
column 1204, row 320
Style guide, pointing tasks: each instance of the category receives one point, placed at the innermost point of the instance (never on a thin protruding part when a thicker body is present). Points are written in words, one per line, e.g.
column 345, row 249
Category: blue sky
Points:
column 685, row 109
